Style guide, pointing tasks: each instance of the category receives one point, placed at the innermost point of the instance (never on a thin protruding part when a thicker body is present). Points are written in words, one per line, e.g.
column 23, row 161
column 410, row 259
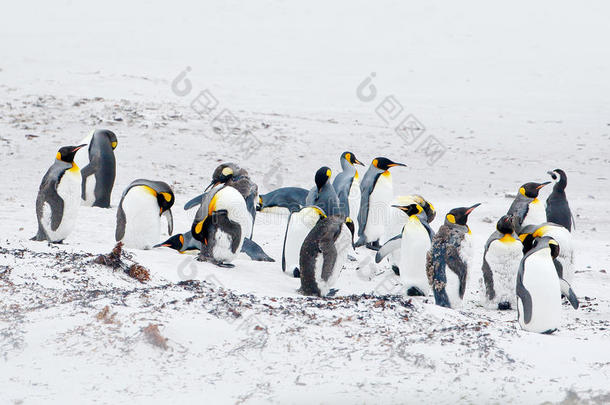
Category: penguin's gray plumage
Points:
column 344, row 180
column 524, row 203
column 323, row 194
column 101, row 169
column 557, row 207
column 292, row 198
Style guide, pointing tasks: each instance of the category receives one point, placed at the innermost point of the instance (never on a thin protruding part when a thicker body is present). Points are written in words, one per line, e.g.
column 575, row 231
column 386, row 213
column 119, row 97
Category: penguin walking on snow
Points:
column 221, row 224
column 298, row 227
column 538, row 289
column 59, row 197
column 501, row 258
column 98, row 168
column 448, row 259
column 139, row 213
column 557, row 207
column 415, row 243
column 526, row 209
column 347, row 186
column 323, row 194
column 291, row 198
column 323, row 254
column 376, row 193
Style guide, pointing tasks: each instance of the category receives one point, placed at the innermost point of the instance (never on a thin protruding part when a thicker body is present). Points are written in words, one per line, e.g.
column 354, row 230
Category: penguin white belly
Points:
column 354, row 203
column 143, row 222
column 535, row 214
column 69, row 191
column 300, row 225
column 222, row 247
column 414, row 247
column 89, row 191
column 379, row 202
column 566, row 250
column 233, row 202
column 503, row 259
column 541, row 281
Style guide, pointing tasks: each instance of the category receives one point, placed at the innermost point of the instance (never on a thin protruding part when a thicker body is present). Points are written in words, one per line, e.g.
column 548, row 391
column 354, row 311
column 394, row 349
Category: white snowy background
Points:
column 511, row 90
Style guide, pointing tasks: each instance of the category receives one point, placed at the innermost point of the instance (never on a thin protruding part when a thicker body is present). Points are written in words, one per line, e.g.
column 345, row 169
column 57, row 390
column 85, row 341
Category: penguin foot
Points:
column 351, row 258
column 296, row 273
column 415, row 292
column 504, row 306
column 225, row 265
column 373, row 245
column 548, row 332
column 332, row 292
column 396, row 270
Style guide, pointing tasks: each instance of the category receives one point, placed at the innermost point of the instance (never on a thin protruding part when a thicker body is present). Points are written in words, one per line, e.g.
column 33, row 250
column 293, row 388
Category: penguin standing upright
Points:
column 557, row 207
column 291, row 198
column 347, row 186
column 415, row 243
column 323, row 254
column 221, row 224
column 526, row 209
column 98, row 168
column 503, row 253
column 323, row 194
column 59, row 197
column 376, row 193
column 298, row 227
column 448, row 259
column 538, row 289
column 139, row 213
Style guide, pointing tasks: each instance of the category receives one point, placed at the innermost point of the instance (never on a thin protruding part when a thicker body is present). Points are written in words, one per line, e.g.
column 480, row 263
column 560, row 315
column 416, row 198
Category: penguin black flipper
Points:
column 366, row 188
column 85, row 173
column 193, row 202
column 251, row 206
column 121, row 221
column 284, row 244
column 519, row 209
column 48, row 195
column 388, row 247
column 254, row 251
column 426, row 225
column 523, row 294
column 488, row 279
column 170, row 222
column 567, row 291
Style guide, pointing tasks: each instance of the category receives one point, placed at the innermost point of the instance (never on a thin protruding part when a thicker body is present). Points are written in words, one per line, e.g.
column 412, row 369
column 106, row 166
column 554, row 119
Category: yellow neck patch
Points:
column 541, row 231
column 74, row 168
column 451, row 218
column 507, row 238
column 149, row 190
column 469, row 231
column 386, row 174
column 536, row 201
column 212, row 206
column 113, row 144
column 356, row 175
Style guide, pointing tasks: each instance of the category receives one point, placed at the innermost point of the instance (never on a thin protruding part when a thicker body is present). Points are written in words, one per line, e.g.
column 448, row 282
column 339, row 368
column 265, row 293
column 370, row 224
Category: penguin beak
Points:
column 400, row 207
column 162, row 245
column 212, row 185
column 357, row 162
column 542, row 185
column 396, row 164
column 469, row 210
column 79, row 147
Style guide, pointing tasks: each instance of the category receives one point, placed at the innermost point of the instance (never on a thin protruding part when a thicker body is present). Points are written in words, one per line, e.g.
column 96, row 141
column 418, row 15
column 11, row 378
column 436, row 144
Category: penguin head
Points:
column 66, row 154
column 109, row 135
column 546, row 242
column 526, row 235
column 165, row 200
column 384, row 164
column 505, row 225
column 351, row 158
column 350, row 225
column 559, row 176
column 411, row 209
column 459, row 215
column 322, row 176
column 531, row 190
column 176, row 242
column 222, row 174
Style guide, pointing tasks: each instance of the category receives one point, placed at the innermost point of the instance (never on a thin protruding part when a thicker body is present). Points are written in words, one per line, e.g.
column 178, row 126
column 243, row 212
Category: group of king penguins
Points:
column 528, row 261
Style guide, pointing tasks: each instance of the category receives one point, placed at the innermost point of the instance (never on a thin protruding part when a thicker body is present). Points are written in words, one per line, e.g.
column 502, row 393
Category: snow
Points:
column 511, row 92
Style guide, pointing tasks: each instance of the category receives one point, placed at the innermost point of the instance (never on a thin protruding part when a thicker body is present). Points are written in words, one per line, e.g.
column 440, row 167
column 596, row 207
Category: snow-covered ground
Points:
column 508, row 92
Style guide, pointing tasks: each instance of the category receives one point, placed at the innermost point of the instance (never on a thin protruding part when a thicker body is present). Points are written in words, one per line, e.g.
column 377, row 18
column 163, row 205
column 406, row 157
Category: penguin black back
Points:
column 557, row 207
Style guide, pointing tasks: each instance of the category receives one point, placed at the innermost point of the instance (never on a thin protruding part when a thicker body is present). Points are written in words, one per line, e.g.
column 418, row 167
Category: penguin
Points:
column 391, row 248
column 323, row 194
column 376, row 193
column 292, row 198
column 185, row 243
column 139, row 213
column 98, row 168
column 415, row 242
column 232, row 175
column 526, row 209
column 501, row 258
column 538, row 289
column 59, row 197
column 562, row 236
column 448, row 259
column 298, row 227
column 221, row 224
column 557, row 207
column 323, row 254
column 347, row 186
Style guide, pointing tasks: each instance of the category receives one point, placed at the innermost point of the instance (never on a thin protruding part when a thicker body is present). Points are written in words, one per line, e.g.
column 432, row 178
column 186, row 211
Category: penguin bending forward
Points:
column 98, row 168
column 323, row 254
column 323, row 194
column 139, row 213
column 298, row 227
column 59, row 197
column 291, row 198
column 557, row 207
column 448, row 259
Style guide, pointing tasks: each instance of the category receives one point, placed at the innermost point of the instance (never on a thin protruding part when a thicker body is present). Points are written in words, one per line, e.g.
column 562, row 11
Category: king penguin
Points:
column 323, row 254
column 526, row 209
column 323, row 194
column 139, row 213
column 347, row 186
column 376, row 193
column 98, row 168
column 298, row 227
column 59, row 197
column 501, row 258
column 557, row 207
column 221, row 224
column 291, row 198
column 538, row 289
column 415, row 243
column 448, row 259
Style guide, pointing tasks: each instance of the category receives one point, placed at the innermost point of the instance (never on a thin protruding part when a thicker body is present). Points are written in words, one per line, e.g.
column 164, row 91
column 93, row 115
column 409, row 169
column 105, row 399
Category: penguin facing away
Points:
column 557, row 207
column 501, row 258
column 376, row 193
column 291, row 198
column 323, row 254
column 323, row 194
column 347, row 186
column 139, row 213
column 59, row 197
column 448, row 259
column 526, row 209
column 98, row 168
column 298, row 227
